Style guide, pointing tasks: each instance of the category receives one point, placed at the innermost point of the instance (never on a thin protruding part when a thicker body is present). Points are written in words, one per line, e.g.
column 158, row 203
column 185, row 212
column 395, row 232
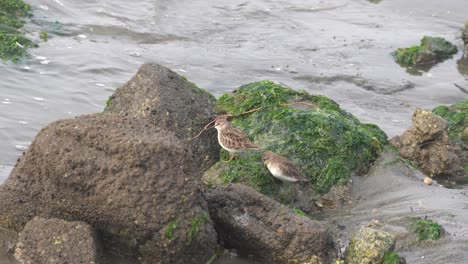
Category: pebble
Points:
column 428, row 181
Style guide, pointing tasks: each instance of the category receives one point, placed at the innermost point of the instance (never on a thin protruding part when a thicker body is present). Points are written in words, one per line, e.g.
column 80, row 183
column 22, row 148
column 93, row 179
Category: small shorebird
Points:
column 232, row 139
column 282, row 168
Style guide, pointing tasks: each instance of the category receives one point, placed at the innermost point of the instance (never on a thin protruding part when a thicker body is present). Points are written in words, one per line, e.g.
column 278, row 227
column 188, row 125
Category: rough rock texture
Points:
column 55, row 241
column 369, row 246
column 256, row 225
column 132, row 180
column 167, row 100
column 427, row 143
column 7, row 243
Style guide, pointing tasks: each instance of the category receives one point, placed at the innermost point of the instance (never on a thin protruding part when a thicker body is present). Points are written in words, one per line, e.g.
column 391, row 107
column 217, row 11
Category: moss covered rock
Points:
column 457, row 118
column 369, row 246
column 429, row 52
column 13, row 45
column 324, row 141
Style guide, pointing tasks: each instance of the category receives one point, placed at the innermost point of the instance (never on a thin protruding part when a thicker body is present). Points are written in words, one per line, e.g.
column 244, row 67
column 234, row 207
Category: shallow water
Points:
column 339, row 48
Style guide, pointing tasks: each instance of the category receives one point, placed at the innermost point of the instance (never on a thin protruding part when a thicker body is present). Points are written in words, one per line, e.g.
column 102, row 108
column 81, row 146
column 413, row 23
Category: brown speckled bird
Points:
column 282, row 168
column 232, row 139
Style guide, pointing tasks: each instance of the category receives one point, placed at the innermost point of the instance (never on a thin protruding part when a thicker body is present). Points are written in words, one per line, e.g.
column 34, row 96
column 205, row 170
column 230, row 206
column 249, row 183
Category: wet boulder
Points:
column 56, row 241
column 134, row 182
column 325, row 142
column 427, row 143
column 430, row 51
column 167, row 100
column 256, row 225
column 369, row 246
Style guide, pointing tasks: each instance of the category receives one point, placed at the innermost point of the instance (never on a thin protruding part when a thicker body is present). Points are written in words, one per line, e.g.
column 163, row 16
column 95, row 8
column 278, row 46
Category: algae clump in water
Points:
column 325, row 142
column 13, row 45
column 426, row 229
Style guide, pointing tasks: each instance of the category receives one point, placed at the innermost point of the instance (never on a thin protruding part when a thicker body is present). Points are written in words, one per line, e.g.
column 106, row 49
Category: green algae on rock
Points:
column 324, row 141
column 457, row 118
column 369, row 246
column 430, row 51
column 426, row 229
column 13, row 45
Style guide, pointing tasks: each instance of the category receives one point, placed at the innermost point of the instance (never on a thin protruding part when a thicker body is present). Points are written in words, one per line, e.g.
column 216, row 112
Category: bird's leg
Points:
column 231, row 158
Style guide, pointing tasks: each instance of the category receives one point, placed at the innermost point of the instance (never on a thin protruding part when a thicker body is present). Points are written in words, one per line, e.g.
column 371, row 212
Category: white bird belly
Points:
column 279, row 174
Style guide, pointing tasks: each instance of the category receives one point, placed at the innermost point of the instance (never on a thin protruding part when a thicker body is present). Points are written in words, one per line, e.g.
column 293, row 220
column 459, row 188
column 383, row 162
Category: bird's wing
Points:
column 236, row 139
column 291, row 170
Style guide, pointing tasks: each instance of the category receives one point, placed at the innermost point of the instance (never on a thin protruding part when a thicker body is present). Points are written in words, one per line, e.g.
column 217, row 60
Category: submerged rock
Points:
column 427, row 143
column 326, row 143
column 256, row 225
column 369, row 246
column 431, row 51
column 134, row 181
column 56, row 241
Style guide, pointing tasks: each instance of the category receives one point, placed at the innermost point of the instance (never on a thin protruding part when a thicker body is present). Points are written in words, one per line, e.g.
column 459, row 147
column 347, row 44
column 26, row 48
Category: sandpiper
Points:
column 282, row 168
column 232, row 139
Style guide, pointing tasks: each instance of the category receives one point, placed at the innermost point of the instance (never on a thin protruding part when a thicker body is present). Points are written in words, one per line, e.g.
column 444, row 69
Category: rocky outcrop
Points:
column 427, row 143
column 56, row 241
column 325, row 142
column 431, row 51
column 369, row 246
column 134, row 181
column 256, row 225
column 167, row 100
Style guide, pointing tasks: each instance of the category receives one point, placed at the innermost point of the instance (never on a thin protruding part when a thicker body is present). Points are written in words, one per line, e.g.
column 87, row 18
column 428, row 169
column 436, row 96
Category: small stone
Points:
column 428, row 181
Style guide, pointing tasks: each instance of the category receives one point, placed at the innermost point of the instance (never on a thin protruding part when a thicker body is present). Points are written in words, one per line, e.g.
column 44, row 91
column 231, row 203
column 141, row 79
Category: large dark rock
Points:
column 133, row 181
column 167, row 100
column 427, row 143
column 256, row 225
column 55, row 241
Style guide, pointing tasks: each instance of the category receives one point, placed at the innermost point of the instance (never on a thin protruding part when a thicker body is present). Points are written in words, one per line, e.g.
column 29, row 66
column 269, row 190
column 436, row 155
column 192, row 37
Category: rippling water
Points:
column 339, row 48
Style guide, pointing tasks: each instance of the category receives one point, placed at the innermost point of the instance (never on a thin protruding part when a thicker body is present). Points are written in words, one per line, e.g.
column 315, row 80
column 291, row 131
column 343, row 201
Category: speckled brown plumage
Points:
column 282, row 168
column 231, row 138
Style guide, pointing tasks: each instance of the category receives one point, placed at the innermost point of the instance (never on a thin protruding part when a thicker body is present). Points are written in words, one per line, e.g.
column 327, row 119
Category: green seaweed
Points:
column 457, row 118
column 44, row 36
column 324, row 141
column 391, row 257
column 195, row 227
column 298, row 212
column 170, row 229
column 426, row 229
column 109, row 101
column 406, row 56
column 13, row 45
